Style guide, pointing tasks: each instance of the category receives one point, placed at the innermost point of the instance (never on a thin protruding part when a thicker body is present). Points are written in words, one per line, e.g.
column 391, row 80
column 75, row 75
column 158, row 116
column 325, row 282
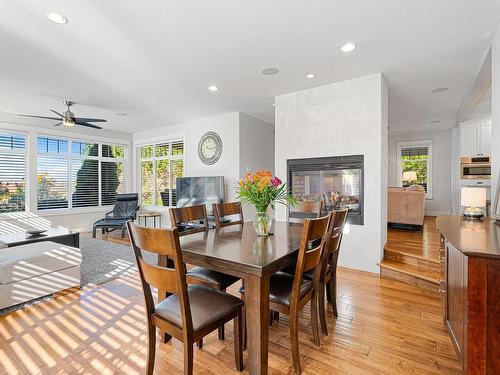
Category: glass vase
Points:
column 262, row 223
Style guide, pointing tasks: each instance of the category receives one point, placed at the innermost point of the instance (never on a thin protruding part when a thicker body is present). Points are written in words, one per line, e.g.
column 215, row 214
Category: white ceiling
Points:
column 155, row 59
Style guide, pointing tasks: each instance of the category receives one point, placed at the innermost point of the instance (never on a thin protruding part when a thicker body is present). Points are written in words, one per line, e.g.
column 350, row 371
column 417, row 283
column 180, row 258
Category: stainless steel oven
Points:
column 475, row 168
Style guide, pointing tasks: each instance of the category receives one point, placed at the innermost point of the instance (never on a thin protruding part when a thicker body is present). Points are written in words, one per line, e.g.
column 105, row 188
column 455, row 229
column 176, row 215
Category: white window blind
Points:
column 78, row 173
column 12, row 173
column 159, row 166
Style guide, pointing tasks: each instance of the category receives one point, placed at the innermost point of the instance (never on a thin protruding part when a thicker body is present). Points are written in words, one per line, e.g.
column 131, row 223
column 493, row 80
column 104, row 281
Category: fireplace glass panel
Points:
column 336, row 182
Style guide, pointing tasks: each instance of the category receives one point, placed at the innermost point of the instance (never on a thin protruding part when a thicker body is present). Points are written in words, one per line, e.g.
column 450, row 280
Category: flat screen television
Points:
column 192, row 191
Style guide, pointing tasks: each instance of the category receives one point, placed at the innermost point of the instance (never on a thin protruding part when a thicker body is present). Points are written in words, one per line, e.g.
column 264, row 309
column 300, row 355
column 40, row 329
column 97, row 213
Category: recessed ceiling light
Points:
column 122, row 114
column 434, row 121
column 213, row 88
column 57, row 18
column 310, row 75
column 440, row 90
column 270, row 71
column 348, row 47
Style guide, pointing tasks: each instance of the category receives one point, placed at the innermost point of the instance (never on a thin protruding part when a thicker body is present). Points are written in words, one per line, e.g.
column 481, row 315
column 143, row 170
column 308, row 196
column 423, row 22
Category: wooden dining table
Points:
column 238, row 251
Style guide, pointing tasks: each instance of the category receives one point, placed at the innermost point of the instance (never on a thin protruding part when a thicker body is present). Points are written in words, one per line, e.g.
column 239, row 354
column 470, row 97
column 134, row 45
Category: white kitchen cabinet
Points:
column 475, row 139
column 485, row 140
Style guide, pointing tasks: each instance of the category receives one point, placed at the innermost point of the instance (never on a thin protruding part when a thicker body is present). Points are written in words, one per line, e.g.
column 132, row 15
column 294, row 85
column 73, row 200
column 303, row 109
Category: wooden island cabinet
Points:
column 470, row 290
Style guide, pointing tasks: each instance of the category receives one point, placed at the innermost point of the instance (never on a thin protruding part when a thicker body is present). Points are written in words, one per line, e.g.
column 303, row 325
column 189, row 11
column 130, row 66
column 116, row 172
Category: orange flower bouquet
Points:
column 263, row 190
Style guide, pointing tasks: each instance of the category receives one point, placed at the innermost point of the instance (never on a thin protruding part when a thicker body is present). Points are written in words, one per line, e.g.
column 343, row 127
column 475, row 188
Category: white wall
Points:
column 226, row 126
column 256, row 150
column 495, row 112
column 80, row 219
column 344, row 118
column 441, row 167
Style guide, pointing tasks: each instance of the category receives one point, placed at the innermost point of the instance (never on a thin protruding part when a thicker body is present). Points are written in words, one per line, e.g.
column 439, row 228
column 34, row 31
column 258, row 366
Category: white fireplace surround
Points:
column 344, row 118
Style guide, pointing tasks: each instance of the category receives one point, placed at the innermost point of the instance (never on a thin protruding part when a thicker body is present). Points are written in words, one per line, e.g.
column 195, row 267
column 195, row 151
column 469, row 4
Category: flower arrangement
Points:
column 263, row 190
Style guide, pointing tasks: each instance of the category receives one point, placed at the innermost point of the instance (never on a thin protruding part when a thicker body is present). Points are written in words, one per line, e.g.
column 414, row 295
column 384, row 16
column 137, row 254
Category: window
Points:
column 160, row 165
column 75, row 174
column 416, row 157
column 12, row 173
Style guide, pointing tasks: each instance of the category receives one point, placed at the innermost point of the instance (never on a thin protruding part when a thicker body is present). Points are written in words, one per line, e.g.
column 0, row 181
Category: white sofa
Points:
column 36, row 270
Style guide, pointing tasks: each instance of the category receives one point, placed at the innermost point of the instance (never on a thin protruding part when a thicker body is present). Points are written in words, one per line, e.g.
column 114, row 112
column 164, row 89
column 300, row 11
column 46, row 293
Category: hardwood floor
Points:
column 413, row 256
column 384, row 327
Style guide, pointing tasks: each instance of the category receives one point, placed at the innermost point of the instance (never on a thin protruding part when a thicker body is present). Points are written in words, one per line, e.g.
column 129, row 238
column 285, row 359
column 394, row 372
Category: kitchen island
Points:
column 470, row 290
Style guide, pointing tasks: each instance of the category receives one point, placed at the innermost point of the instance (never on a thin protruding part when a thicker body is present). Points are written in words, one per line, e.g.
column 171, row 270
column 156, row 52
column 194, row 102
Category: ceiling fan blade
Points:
column 58, row 124
column 85, row 119
column 88, row 125
column 57, row 113
column 44, row 117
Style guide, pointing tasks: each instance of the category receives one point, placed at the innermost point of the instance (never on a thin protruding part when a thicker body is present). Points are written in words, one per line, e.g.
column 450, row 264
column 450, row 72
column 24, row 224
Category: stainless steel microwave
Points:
column 475, row 168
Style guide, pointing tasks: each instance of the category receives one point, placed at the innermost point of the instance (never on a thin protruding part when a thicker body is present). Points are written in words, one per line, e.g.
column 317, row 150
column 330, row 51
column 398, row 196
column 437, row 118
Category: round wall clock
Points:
column 210, row 148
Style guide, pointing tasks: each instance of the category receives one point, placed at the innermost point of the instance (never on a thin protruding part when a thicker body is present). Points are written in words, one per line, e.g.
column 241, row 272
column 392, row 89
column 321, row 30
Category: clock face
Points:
column 210, row 148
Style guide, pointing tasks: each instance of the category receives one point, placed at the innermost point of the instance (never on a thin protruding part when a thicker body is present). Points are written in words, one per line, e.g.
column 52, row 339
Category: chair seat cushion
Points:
column 310, row 274
column 281, row 288
column 207, row 306
column 208, row 276
column 307, row 275
column 38, row 258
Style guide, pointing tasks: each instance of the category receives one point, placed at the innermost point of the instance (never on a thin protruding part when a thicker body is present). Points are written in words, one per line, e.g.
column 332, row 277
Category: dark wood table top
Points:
column 480, row 238
column 238, row 247
column 23, row 237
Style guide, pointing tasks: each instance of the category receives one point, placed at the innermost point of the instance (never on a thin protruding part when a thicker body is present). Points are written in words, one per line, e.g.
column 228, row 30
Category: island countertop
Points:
column 479, row 238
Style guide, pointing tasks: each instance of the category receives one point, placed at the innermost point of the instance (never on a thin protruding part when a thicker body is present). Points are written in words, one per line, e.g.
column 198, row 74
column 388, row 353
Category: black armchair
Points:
column 125, row 209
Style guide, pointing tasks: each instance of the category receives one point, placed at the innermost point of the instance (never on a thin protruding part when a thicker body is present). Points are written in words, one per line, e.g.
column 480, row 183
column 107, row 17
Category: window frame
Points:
column 154, row 159
column 25, row 152
column 70, row 157
column 414, row 144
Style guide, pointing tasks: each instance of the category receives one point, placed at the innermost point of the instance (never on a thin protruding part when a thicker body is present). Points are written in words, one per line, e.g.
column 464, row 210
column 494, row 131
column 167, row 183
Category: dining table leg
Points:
column 257, row 321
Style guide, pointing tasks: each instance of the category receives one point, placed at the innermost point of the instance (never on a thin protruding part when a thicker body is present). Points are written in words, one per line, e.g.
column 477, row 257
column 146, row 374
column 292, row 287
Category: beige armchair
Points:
column 406, row 205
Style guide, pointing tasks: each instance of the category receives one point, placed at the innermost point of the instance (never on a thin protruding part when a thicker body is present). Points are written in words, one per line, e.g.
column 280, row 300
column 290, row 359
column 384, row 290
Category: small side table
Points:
column 149, row 214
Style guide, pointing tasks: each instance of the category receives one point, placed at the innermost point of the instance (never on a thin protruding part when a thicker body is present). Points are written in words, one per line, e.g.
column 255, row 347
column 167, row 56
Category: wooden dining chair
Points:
column 328, row 278
column 222, row 210
column 288, row 294
column 194, row 220
column 189, row 220
column 188, row 313
column 329, row 266
column 307, row 210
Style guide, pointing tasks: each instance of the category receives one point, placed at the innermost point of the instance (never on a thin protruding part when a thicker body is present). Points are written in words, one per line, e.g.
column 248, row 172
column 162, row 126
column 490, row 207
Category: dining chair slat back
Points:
column 221, row 210
column 182, row 217
column 171, row 280
column 311, row 247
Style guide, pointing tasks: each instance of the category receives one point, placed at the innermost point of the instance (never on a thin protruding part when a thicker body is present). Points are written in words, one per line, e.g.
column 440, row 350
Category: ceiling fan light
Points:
column 68, row 122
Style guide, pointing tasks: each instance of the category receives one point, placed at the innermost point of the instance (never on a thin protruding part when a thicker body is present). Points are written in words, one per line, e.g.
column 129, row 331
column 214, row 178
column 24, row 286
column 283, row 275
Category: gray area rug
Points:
column 102, row 261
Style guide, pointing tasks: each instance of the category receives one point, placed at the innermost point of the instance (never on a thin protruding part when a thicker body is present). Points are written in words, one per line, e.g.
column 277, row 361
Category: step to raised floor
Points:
column 414, row 275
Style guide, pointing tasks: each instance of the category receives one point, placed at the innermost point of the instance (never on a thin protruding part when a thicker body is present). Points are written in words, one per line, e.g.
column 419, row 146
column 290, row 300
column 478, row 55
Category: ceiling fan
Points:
column 67, row 118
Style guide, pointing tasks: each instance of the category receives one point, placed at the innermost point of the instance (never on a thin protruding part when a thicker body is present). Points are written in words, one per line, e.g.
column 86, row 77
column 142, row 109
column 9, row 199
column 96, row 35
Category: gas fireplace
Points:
column 336, row 181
